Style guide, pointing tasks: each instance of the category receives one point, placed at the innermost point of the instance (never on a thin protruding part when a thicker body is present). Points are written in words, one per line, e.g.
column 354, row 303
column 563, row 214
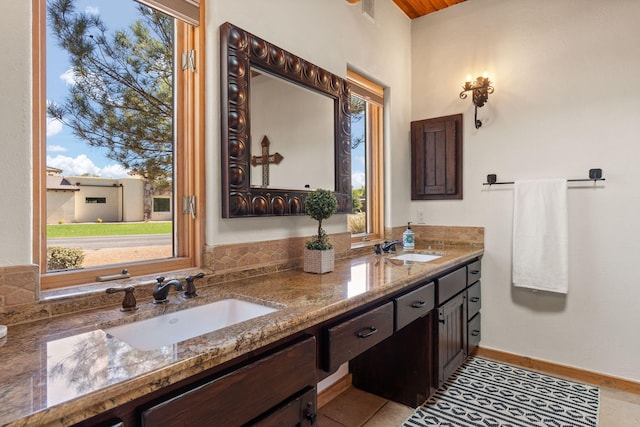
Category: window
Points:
column 161, row 204
column 366, row 219
column 171, row 78
column 95, row 200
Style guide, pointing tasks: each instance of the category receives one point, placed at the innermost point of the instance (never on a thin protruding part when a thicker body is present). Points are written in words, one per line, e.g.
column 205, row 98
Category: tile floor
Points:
column 355, row 408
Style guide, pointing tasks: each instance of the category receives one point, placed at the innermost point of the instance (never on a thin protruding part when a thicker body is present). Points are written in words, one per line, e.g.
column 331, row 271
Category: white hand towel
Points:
column 540, row 235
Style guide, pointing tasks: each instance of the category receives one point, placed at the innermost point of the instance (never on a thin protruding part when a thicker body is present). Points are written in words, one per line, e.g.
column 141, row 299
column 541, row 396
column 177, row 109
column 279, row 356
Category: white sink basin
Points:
column 170, row 328
column 416, row 257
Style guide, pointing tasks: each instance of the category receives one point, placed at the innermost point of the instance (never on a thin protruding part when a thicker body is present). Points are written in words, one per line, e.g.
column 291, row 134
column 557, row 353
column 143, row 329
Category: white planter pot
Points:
column 318, row 262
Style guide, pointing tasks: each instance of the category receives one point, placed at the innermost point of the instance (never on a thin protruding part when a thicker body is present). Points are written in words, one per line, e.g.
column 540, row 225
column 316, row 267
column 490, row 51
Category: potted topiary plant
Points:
column 318, row 252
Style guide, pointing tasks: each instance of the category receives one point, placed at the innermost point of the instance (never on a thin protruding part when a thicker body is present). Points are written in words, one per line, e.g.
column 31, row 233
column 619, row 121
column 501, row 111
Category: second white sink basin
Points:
column 416, row 257
column 170, row 328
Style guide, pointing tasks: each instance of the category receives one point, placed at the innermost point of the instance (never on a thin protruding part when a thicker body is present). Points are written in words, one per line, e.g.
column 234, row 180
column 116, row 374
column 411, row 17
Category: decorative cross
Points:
column 265, row 159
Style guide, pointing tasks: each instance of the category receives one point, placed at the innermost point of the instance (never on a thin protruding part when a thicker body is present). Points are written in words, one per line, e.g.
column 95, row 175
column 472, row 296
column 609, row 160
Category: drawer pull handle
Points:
column 419, row 304
column 311, row 417
column 475, row 332
column 475, row 271
column 367, row 332
column 475, row 299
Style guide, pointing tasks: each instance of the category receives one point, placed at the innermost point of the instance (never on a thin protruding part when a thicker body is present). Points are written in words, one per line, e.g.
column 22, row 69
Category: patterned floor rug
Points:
column 486, row 393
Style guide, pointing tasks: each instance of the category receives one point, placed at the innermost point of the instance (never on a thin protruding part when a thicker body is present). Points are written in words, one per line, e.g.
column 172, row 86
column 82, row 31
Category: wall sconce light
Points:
column 481, row 89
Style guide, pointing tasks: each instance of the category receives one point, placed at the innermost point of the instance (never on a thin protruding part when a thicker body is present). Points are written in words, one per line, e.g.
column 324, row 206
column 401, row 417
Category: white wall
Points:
column 15, row 133
column 333, row 35
column 567, row 99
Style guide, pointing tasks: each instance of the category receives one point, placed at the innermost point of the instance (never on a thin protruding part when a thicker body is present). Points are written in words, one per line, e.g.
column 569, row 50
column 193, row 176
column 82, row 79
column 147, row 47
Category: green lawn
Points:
column 108, row 229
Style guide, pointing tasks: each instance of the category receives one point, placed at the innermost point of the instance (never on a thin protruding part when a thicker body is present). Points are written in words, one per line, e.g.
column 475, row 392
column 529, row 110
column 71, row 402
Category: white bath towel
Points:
column 540, row 235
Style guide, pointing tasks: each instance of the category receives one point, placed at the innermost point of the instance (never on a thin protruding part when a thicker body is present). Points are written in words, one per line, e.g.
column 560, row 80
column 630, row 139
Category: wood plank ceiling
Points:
column 417, row 8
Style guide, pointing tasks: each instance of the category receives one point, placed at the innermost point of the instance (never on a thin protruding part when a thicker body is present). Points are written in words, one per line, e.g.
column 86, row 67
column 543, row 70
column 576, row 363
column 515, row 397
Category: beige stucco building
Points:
column 89, row 199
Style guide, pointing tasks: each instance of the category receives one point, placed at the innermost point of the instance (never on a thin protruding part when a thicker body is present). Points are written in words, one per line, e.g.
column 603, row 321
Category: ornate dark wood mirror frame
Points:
column 240, row 51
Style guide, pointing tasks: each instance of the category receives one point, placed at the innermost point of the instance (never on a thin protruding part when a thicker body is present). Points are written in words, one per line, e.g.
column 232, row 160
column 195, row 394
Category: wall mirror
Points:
column 300, row 111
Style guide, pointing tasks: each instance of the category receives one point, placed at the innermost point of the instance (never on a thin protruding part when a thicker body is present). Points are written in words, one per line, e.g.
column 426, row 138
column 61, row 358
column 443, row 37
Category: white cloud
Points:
column 81, row 165
column 113, row 171
column 92, row 10
column 73, row 166
column 357, row 180
column 69, row 77
column 55, row 148
column 54, row 126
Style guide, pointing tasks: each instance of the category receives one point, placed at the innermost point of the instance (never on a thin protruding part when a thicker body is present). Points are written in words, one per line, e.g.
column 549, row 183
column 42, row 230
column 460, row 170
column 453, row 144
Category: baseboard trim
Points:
column 331, row 392
column 564, row 371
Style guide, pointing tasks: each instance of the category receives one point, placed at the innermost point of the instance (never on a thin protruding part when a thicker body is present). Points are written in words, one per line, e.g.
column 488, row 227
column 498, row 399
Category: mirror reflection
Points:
column 298, row 123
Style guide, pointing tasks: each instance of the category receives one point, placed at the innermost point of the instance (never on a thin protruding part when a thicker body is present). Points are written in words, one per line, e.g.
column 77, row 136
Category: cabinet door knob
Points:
column 367, row 332
column 418, row 304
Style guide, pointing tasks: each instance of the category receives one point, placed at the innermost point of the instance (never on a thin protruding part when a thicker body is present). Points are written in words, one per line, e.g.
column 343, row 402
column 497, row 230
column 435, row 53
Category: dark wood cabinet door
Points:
column 436, row 158
column 452, row 336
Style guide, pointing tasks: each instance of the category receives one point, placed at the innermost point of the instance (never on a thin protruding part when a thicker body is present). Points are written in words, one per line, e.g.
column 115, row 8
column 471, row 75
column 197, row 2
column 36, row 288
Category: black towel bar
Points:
column 594, row 175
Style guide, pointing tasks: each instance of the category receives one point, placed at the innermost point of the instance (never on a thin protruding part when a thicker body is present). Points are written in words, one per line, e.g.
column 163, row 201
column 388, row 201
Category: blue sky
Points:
column 64, row 151
column 357, row 155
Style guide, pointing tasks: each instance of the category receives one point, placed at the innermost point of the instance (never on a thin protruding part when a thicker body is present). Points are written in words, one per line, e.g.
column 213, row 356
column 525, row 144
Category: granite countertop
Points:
column 67, row 369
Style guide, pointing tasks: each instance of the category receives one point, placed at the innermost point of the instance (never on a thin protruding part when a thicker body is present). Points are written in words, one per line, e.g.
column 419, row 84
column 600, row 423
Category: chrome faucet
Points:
column 161, row 291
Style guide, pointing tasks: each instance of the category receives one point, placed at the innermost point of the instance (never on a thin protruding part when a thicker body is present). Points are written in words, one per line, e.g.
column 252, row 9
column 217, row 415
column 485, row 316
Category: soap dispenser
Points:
column 408, row 239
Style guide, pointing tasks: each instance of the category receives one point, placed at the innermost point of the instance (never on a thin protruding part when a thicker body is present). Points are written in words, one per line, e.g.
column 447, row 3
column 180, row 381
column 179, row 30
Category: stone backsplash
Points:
column 440, row 235
column 18, row 284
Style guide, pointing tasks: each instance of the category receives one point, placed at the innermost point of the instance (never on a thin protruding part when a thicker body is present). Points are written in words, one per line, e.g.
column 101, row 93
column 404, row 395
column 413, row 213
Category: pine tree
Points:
column 122, row 96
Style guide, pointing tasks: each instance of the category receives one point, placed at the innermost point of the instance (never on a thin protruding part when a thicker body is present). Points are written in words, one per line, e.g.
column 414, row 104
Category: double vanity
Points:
column 403, row 325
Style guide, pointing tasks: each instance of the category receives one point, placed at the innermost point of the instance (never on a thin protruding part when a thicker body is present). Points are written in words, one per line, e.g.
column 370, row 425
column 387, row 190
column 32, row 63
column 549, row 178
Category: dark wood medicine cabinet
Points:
column 436, row 158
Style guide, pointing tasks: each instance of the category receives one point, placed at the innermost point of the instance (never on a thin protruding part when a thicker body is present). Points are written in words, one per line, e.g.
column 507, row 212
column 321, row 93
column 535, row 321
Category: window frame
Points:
column 373, row 94
column 188, row 163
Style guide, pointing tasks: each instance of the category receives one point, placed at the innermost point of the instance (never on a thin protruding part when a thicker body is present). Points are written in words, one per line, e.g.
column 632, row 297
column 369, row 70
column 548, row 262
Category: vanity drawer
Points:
column 473, row 333
column 348, row 339
column 474, row 271
column 241, row 395
column 415, row 304
column 474, row 300
column 451, row 284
